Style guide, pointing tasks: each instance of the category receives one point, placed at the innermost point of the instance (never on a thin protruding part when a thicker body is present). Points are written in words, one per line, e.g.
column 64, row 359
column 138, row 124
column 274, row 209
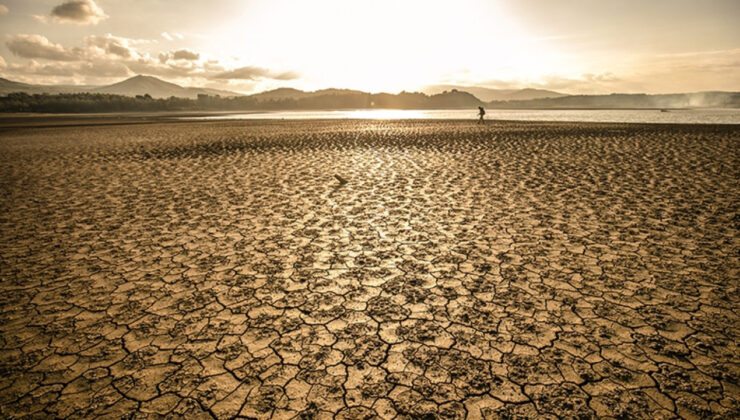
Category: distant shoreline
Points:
column 48, row 120
column 266, row 111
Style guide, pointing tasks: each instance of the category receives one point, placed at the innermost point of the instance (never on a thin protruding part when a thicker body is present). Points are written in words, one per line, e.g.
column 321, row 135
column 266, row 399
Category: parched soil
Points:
column 514, row 270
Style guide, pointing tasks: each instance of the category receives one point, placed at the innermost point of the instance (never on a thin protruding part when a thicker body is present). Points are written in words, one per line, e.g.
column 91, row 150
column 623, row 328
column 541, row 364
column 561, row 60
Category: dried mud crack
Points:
column 517, row 270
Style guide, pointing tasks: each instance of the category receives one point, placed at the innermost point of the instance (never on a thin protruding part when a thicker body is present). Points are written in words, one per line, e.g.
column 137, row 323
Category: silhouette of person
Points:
column 481, row 113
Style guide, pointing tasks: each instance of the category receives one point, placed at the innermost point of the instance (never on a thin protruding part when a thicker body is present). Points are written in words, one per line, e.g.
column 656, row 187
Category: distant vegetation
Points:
column 292, row 99
column 97, row 102
column 90, row 102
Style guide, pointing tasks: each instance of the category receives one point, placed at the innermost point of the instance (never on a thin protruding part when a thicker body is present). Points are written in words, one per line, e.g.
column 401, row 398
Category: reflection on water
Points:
column 686, row 116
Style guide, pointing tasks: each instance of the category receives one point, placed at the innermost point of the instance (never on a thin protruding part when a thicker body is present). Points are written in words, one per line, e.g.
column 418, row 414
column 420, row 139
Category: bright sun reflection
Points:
column 385, row 114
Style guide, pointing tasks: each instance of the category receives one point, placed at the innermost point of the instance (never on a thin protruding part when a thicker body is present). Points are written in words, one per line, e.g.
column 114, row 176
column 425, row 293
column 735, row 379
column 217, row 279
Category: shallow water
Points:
column 682, row 116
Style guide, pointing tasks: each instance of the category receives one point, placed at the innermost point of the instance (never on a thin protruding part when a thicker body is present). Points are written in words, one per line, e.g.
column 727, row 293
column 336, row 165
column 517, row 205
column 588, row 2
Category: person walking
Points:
column 481, row 113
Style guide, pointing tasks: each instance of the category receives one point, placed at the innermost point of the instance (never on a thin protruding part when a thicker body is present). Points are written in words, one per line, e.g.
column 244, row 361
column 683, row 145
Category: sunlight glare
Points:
column 382, row 45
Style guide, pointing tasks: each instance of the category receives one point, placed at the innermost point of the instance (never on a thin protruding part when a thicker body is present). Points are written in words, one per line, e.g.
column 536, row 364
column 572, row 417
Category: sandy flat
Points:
column 551, row 270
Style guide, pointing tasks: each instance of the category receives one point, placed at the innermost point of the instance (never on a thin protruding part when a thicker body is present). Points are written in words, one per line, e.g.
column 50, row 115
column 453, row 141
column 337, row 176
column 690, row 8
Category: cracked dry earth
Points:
column 517, row 270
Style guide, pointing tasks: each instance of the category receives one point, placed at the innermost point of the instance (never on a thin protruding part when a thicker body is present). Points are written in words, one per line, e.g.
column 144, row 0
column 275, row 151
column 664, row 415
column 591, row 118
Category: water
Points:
column 683, row 116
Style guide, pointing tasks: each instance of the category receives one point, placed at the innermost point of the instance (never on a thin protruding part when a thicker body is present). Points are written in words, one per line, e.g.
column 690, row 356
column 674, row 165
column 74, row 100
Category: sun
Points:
column 380, row 45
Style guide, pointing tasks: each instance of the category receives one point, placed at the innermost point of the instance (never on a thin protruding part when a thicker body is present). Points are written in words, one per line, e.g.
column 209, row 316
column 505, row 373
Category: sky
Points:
column 571, row 46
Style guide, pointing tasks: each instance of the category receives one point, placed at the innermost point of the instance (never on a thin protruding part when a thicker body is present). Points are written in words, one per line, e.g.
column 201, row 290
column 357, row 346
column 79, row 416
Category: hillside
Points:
column 293, row 94
column 137, row 85
column 69, row 98
column 489, row 94
column 625, row 101
column 279, row 94
column 157, row 88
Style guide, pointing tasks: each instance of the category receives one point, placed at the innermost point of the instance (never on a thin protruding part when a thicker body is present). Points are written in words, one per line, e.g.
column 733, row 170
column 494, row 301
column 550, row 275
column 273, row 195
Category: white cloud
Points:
column 183, row 54
column 96, row 68
column 112, row 45
column 37, row 46
column 81, row 12
column 3, row 10
column 171, row 36
column 104, row 58
column 253, row 73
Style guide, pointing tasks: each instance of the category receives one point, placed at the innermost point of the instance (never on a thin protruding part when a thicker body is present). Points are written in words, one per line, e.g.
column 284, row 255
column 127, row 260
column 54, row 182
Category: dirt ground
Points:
column 514, row 270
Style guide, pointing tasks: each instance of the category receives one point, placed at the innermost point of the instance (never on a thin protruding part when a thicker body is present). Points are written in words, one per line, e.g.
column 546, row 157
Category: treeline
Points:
column 96, row 102
column 89, row 102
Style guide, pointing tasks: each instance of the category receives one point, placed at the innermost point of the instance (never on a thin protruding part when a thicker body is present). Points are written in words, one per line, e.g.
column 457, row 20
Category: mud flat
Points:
column 549, row 270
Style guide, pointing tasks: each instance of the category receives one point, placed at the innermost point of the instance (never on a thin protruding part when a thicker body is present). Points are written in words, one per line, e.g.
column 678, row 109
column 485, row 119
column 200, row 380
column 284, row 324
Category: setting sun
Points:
column 378, row 46
column 385, row 45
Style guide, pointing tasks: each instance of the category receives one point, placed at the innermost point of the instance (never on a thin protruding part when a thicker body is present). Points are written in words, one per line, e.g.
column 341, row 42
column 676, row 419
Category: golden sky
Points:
column 573, row 46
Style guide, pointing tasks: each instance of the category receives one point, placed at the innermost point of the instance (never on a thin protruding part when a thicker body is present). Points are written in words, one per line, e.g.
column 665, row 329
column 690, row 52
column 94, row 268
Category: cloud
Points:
column 2, row 63
column 174, row 69
column 37, row 46
column 253, row 73
column 3, row 10
column 112, row 45
column 98, row 68
column 171, row 36
column 36, row 68
column 588, row 83
column 81, row 12
column 101, row 58
column 185, row 55
column 694, row 71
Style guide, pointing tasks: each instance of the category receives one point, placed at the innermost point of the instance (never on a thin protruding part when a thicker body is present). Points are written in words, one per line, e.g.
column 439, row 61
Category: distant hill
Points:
column 454, row 99
column 137, row 85
column 157, row 88
column 529, row 93
column 626, row 101
column 488, row 94
column 287, row 98
column 281, row 93
column 9, row 86
column 140, row 85
column 290, row 93
column 294, row 99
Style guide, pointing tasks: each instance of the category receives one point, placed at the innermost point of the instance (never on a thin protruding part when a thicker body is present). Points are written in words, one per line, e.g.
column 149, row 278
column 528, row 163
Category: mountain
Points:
column 157, row 88
column 488, row 94
column 140, row 85
column 332, row 91
column 529, row 93
column 9, row 86
column 137, row 85
column 288, row 98
column 454, row 99
column 278, row 94
column 291, row 94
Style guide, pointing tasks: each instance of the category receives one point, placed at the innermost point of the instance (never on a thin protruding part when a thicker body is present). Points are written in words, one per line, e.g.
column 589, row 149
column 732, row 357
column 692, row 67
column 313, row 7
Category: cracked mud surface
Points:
column 510, row 271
